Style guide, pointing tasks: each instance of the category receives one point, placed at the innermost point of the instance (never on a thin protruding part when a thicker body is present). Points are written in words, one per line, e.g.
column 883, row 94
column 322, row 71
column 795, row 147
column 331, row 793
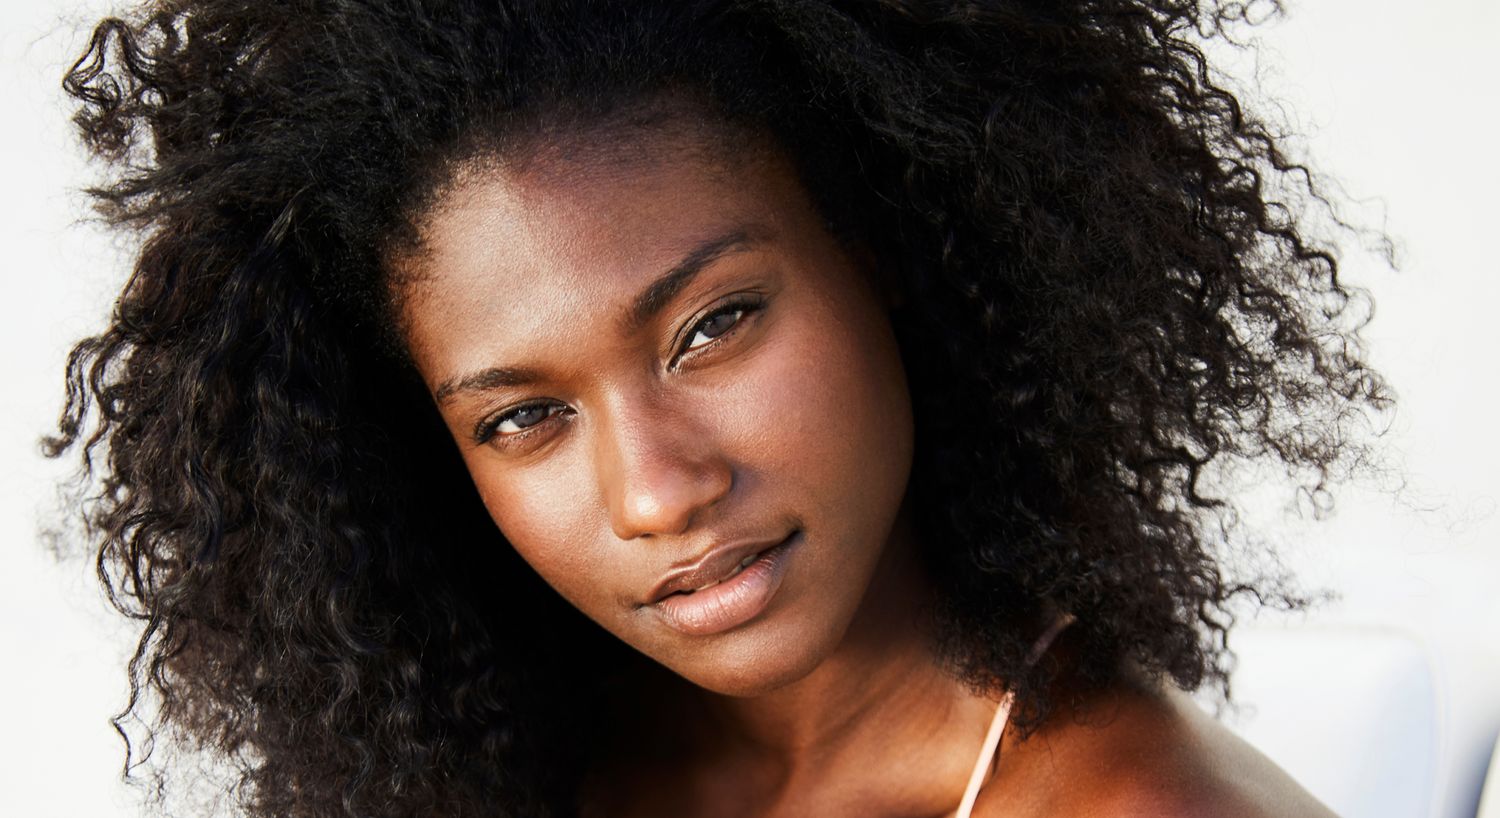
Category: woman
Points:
column 696, row 408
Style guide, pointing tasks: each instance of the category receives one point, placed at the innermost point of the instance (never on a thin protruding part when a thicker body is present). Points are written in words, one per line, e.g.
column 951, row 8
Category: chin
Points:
column 756, row 661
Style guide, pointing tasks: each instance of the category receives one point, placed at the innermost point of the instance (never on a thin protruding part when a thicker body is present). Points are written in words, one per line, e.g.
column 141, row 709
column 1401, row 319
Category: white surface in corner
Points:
column 1376, row 720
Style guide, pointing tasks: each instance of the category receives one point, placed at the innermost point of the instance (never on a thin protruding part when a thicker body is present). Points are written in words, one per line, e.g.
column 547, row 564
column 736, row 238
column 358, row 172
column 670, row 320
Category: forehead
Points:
column 512, row 246
column 581, row 215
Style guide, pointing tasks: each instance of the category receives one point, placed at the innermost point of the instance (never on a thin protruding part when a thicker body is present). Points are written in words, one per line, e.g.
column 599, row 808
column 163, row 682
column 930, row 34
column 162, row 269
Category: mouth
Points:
column 745, row 563
column 727, row 589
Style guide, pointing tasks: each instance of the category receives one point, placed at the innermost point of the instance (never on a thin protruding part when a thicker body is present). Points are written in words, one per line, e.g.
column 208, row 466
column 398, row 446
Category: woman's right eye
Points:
column 515, row 423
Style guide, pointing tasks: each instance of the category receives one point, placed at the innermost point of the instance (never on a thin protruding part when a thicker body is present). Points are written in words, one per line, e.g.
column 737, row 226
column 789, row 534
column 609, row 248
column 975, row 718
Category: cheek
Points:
column 543, row 519
column 823, row 414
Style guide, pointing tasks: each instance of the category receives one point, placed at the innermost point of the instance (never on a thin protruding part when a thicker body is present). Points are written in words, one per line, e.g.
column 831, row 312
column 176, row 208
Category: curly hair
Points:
column 1108, row 295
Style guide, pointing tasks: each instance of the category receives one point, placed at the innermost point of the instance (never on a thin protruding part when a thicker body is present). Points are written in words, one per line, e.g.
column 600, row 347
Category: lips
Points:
column 715, row 599
column 718, row 565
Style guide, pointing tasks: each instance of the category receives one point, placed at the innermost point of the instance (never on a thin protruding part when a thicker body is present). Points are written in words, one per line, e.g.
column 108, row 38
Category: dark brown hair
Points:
column 1106, row 299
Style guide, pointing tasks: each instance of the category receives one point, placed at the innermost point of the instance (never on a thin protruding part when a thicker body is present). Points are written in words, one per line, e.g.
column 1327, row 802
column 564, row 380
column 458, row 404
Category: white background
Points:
column 1395, row 100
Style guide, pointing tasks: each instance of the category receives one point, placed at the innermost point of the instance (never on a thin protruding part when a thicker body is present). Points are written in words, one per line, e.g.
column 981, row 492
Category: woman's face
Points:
column 660, row 367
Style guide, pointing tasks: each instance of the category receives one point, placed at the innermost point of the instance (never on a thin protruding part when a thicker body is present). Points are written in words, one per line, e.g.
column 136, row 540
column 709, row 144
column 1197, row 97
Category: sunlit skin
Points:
column 662, row 348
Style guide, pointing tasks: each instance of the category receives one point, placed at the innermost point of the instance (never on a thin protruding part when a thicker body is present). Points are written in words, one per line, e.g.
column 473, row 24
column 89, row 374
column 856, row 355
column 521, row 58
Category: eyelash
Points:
column 746, row 305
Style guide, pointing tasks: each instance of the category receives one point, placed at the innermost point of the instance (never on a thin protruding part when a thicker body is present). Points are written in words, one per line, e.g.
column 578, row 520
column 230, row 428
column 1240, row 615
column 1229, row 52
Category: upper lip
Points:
column 713, row 566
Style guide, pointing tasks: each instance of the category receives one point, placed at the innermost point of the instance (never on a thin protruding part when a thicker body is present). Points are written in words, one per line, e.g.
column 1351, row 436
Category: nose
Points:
column 659, row 468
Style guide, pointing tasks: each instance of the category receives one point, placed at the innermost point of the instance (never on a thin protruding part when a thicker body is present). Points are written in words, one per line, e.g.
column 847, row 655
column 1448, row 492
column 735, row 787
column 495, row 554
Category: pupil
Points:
column 719, row 323
column 529, row 416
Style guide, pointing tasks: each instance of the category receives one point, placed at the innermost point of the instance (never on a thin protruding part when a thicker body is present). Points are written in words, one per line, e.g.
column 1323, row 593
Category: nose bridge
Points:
column 659, row 468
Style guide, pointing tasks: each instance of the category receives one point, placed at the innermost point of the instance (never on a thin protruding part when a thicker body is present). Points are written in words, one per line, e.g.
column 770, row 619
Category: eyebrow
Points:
column 645, row 306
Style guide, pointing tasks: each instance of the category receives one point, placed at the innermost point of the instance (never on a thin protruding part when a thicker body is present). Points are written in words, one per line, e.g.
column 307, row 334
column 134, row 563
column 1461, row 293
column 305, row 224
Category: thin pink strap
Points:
column 997, row 724
column 981, row 770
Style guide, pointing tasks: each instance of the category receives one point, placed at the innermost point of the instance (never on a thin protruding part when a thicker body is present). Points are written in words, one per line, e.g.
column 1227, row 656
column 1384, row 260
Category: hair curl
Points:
column 1106, row 298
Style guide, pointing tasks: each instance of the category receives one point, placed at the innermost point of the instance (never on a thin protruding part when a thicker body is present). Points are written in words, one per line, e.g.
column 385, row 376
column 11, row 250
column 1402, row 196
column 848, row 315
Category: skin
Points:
column 792, row 416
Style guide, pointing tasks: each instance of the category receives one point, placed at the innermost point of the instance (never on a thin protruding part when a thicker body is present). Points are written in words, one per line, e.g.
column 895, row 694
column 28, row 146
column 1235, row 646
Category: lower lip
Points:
column 732, row 602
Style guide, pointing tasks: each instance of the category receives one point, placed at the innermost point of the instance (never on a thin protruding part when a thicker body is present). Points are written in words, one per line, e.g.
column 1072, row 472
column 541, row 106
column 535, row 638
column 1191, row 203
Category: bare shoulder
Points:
column 1142, row 753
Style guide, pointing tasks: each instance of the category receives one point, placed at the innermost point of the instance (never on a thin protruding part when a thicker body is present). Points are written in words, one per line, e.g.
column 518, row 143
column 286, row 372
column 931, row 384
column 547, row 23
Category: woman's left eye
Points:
column 717, row 323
